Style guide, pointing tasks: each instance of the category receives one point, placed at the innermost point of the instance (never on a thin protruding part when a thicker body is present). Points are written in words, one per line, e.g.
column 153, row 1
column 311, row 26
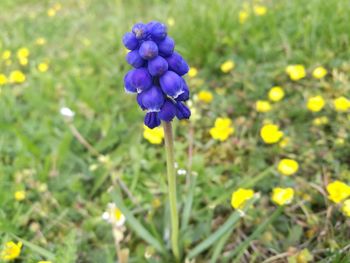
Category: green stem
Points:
column 169, row 147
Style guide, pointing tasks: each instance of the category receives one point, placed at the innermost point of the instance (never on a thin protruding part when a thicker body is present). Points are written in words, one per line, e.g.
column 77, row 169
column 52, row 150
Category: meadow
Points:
column 263, row 163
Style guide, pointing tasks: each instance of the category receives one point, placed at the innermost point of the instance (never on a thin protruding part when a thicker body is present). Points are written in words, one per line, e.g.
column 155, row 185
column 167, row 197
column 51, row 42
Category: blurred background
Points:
column 69, row 132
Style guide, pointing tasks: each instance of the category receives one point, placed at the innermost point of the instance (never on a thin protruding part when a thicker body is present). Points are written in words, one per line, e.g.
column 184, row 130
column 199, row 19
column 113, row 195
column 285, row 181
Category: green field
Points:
column 58, row 174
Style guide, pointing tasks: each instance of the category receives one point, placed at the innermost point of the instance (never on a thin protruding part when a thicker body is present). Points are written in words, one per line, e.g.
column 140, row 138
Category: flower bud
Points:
column 171, row 84
column 177, row 64
column 129, row 88
column 140, row 31
column 139, row 100
column 182, row 112
column 168, row 111
column 158, row 31
column 140, row 79
column 152, row 99
column 134, row 59
column 130, row 41
column 166, row 47
column 186, row 92
column 152, row 120
column 148, row 50
column 157, row 66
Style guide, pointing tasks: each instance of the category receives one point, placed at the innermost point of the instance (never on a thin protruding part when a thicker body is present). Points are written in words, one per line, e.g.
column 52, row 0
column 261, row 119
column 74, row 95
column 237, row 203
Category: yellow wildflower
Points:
column 57, row 6
column 319, row 72
column 51, row 12
column 341, row 104
column 43, row 67
column 20, row 195
column 296, row 72
column 288, row 167
column 284, row 142
column 3, row 79
column 44, row 261
column 170, row 21
column 276, row 94
column 270, row 133
column 320, row 121
column 282, row 196
column 192, row 72
column 227, row 66
column 263, row 106
column 346, row 208
column 40, row 41
column 260, row 10
column 6, row 55
column 243, row 16
column 23, row 61
column 315, row 103
column 205, row 96
column 154, row 136
column 11, row 251
column 23, row 53
column 17, row 76
column 240, row 197
column 338, row 191
column 222, row 129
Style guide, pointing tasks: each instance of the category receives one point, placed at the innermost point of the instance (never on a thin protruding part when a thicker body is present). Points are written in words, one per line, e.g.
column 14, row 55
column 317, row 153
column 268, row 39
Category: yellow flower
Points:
column 320, row 121
column 3, row 79
column 171, row 21
column 222, row 129
column 227, row 66
column 341, row 104
column 40, row 41
column 44, row 261
column 154, row 136
column 192, row 72
column 57, row 7
column 205, row 96
column 276, row 94
column 346, row 208
column 11, row 251
column 23, row 53
column 17, row 76
column 23, row 61
column 270, row 133
column 282, row 196
column 262, row 106
column 260, row 10
column 51, row 12
column 319, row 72
column 296, row 72
column 338, row 191
column 6, row 55
column 315, row 103
column 243, row 16
column 284, row 142
column 287, row 167
column 240, row 197
column 43, row 67
column 20, row 195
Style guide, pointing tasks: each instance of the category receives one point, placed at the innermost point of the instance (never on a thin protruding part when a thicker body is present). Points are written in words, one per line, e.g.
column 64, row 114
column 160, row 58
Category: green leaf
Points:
column 228, row 226
column 136, row 226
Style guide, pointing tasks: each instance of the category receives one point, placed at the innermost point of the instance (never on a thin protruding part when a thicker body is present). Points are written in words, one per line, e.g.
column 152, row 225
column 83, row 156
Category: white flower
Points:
column 67, row 113
column 113, row 215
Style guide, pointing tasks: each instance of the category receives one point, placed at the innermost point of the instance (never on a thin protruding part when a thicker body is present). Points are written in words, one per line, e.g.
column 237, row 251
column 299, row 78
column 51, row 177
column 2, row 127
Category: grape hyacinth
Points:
column 157, row 77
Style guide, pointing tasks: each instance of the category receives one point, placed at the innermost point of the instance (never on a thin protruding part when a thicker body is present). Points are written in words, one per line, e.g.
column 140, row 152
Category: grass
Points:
column 68, row 187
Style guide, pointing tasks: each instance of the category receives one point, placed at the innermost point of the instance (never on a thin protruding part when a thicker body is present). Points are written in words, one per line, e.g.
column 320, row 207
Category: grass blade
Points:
column 226, row 227
column 135, row 225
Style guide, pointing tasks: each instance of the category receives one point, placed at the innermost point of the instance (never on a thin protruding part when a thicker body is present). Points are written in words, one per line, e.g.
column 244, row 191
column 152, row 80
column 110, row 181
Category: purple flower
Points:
column 158, row 31
column 177, row 64
column 140, row 31
column 140, row 79
column 148, row 50
column 157, row 66
column 182, row 112
column 130, row 41
column 168, row 111
column 152, row 120
column 166, row 47
column 129, row 88
column 171, row 84
column 186, row 92
column 134, row 59
column 152, row 99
